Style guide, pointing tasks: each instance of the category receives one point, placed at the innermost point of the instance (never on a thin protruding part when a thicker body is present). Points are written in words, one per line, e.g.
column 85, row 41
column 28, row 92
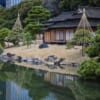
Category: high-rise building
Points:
column 9, row 3
column 3, row 3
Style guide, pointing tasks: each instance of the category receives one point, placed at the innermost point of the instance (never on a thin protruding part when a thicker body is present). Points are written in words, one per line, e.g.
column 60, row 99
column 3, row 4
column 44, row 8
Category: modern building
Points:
column 61, row 28
column 2, row 90
column 9, row 3
column 2, row 3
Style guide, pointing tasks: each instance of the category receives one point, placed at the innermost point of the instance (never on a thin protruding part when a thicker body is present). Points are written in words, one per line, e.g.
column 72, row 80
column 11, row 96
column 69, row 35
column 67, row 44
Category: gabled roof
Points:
column 91, row 12
column 70, row 24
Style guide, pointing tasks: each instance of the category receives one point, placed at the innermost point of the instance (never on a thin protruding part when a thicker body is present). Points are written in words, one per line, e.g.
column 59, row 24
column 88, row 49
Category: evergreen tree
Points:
column 36, row 16
column 17, row 29
column 82, row 37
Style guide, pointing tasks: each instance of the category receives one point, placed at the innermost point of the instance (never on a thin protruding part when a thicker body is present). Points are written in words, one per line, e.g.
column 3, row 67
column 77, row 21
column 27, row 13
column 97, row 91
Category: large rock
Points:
column 52, row 6
column 44, row 45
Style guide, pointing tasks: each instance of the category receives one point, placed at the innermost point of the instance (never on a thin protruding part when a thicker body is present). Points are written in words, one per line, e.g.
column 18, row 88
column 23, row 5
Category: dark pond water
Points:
column 17, row 83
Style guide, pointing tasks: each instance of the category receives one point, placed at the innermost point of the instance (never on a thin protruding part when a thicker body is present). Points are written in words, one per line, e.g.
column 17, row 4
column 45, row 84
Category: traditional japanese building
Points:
column 61, row 28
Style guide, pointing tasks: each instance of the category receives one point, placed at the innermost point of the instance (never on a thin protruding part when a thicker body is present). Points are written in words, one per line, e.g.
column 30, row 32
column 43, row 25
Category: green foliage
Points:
column 4, row 32
column 82, row 37
column 89, row 69
column 72, row 4
column 8, row 16
column 98, row 71
column 36, row 16
column 27, row 39
column 17, row 30
column 94, row 49
column 70, row 44
column 33, row 29
column 86, row 90
column 68, row 4
column 94, row 2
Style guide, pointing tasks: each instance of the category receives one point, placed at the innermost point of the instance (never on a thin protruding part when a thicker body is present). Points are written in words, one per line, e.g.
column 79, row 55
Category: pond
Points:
column 19, row 83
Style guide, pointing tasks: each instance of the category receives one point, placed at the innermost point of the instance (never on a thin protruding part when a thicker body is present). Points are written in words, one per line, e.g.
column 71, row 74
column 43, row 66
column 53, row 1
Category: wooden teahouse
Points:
column 61, row 28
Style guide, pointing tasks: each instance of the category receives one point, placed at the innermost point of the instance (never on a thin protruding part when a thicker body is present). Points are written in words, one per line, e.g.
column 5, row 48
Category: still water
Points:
column 17, row 83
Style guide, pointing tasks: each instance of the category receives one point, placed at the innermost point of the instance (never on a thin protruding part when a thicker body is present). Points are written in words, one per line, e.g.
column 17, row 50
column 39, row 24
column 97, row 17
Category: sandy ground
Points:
column 70, row 55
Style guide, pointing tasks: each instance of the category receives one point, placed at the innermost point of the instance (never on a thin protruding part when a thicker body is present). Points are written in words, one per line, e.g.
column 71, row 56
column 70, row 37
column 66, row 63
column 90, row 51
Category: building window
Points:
column 59, row 35
column 69, row 34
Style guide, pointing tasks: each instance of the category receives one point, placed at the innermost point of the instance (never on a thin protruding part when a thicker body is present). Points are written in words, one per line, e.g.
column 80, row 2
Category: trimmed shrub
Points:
column 92, row 51
column 88, row 70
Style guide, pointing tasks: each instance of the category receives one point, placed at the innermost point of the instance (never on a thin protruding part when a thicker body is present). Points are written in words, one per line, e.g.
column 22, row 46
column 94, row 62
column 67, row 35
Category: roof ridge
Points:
column 89, row 7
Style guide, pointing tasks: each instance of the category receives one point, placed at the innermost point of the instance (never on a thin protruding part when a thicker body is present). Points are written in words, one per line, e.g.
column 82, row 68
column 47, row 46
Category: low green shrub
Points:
column 89, row 69
column 92, row 51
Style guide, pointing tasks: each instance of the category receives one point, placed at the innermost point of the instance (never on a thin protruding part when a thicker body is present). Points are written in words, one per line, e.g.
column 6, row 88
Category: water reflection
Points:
column 59, row 79
column 19, row 83
column 14, row 92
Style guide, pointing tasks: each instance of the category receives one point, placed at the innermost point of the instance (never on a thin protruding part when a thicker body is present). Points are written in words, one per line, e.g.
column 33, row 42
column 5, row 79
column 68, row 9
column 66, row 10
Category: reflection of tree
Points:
column 62, row 93
column 25, row 78
column 38, row 89
column 85, row 90
column 76, row 92
column 35, row 85
column 91, row 91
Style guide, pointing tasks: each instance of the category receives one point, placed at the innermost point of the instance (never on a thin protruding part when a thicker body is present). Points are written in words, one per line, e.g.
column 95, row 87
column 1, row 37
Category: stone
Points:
column 44, row 45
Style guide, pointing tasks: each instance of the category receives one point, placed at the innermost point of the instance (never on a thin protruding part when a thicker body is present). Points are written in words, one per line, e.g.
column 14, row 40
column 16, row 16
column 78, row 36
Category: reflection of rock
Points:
column 19, row 59
column 52, row 6
column 59, row 61
column 51, row 58
column 36, row 61
column 54, row 62
column 24, row 59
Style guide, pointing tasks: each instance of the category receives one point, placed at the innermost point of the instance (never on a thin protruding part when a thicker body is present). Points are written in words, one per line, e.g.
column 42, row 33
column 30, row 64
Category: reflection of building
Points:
column 9, row 3
column 2, row 90
column 58, row 79
column 14, row 92
column 11, row 91
column 62, row 27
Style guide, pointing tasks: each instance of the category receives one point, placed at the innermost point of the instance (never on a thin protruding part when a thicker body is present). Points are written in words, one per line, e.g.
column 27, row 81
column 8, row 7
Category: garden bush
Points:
column 89, row 70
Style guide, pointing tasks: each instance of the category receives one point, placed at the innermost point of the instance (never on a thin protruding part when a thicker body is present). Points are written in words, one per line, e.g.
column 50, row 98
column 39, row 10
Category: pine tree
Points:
column 17, row 31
